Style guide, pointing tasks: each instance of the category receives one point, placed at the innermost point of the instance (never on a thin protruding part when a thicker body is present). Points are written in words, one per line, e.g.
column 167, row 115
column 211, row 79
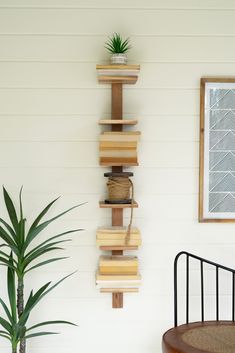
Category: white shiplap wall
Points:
column 50, row 103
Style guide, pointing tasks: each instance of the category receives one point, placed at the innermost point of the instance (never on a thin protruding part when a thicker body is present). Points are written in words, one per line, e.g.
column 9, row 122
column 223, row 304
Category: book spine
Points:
column 117, row 277
column 116, row 236
column 118, row 242
column 122, row 160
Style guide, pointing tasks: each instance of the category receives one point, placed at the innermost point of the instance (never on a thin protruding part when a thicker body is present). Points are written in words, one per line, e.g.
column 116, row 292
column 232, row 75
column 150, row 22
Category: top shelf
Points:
column 125, row 74
column 118, row 67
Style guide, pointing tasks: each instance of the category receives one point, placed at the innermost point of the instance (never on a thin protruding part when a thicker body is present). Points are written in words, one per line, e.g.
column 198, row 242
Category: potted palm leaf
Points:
column 118, row 47
column 21, row 255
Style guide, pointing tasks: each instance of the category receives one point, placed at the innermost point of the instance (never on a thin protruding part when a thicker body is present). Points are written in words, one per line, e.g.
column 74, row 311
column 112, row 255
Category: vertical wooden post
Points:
column 117, row 300
column 117, row 213
column 117, row 104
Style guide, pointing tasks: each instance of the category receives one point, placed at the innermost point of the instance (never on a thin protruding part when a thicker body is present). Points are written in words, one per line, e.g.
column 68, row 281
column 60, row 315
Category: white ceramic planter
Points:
column 119, row 59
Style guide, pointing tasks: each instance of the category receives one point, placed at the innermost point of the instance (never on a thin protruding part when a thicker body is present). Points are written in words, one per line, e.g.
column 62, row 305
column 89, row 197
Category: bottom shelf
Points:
column 115, row 247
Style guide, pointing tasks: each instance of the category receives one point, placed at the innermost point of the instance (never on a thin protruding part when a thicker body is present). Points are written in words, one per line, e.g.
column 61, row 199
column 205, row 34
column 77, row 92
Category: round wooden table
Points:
column 198, row 337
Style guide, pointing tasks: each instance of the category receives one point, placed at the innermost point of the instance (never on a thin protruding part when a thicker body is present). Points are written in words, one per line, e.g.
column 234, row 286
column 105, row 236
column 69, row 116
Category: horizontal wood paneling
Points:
column 133, row 4
column 67, row 101
column 153, row 22
column 50, row 105
column 92, row 180
column 67, row 128
column 83, row 75
column 145, row 49
column 71, row 154
column 166, row 4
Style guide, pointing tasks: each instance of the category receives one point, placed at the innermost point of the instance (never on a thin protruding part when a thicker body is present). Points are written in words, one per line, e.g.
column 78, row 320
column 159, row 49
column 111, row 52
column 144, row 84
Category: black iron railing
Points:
column 217, row 274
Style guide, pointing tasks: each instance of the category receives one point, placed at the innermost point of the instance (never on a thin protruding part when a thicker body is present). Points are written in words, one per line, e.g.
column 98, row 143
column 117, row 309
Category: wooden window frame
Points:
column 205, row 80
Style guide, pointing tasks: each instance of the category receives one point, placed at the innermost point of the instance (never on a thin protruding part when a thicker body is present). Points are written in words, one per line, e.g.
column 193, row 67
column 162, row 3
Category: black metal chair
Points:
column 214, row 336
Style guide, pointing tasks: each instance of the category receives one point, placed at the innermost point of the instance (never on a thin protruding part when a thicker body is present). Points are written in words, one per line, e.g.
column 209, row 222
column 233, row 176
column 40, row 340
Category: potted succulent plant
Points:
column 118, row 47
column 21, row 251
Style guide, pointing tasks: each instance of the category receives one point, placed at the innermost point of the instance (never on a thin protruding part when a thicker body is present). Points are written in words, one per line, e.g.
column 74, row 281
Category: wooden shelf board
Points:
column 117, row 247
column 123, row 164
column 118, row 67
column 117, row 205
column 118, row 121
column 130, row 80
column 119, row 290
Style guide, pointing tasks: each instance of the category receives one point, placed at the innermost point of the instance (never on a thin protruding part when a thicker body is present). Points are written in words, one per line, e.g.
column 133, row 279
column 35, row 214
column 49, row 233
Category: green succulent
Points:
column 116, row 45
column 19, row 253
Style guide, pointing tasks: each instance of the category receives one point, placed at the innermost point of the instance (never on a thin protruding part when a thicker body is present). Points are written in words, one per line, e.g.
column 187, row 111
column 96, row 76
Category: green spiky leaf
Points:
column 11, row 210
column 45, row 323
column 43, row 263
column 40, row 334
column 116, row 45
column 33, row 232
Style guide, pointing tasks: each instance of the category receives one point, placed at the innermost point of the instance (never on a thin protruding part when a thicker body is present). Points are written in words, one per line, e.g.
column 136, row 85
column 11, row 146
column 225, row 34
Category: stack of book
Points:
column 118, row 265
column 118, row 271
column 118, row 70
column 119, row 147
column 117, row 236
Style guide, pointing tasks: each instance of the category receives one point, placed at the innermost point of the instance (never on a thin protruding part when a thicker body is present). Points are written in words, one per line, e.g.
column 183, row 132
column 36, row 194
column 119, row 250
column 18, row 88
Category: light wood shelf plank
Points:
column 130, row 80
column 118, row 67
column 116, row 247
column 118, row 121
column 116, row 164
column 119, row 290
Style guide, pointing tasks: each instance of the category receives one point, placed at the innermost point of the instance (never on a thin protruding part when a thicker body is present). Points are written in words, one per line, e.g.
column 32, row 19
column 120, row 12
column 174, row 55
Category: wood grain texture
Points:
column 118, row 121
column 119, row 290
column 117, row 298
column 201, row 152
column 115, row 248
column 114, row 67
column 130, row 80
column 127, row 162
column 117, row 214
column 118, row 206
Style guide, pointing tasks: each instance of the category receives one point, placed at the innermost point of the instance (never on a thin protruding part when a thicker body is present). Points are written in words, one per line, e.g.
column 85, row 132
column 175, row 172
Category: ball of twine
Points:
column 121, row 188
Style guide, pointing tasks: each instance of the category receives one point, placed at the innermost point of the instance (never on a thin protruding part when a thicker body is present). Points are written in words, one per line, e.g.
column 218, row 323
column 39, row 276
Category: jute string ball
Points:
column 121, row 189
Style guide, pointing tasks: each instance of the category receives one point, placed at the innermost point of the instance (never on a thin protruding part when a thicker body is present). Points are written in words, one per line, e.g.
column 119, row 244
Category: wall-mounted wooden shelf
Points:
column 115, row 238
column 117, row 278
column 118, row 164
column 115, row 247
column 118, row 67
column 123, row 74
column 119, row 148
column 119, row 290
column 118, row 122
column 116, row 152
column 130, row 80
column 118, row 205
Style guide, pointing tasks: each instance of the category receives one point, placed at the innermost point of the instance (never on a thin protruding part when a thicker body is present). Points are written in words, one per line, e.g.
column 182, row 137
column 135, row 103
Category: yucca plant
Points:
column 20, row 260
column 117, row 45
column 15, row 327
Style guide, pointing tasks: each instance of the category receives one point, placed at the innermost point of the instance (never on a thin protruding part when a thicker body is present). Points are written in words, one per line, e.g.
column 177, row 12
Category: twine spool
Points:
column 121, row 188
